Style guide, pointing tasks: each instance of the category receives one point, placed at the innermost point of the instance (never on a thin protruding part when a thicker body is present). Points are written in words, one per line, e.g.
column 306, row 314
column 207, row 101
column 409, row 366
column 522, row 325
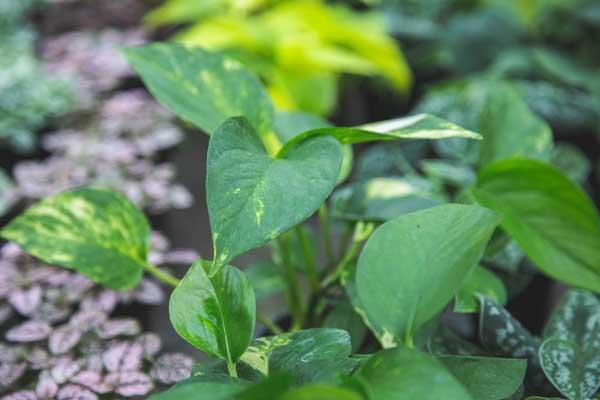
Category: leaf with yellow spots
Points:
column 252, row 197
column 98, row 233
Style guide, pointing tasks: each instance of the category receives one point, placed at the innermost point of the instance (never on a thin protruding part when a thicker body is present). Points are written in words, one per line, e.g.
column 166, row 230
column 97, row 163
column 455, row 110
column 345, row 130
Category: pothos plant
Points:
column 267, row 173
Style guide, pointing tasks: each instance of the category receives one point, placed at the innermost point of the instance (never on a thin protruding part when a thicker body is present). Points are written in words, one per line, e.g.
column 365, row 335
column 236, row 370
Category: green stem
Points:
column 231, row 368
column 161, row 275
column 311, row 270
column 272, row 326
column 361, row 232
column 346, row 236
column 294, row 291
column 326, row 233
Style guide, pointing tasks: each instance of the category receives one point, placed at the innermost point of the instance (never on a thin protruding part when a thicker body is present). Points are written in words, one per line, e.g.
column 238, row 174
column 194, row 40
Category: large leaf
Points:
column 253, row 198
column 570, row 355
column 548, row 215
column 382, row 199
column 96, row 232
column 510, row 129
column 411, row 266
column 480, row 281
column 216, row 387
column 487, row 378
column 343, row 316
column 202, row 87
column 421, row 126
column 404, row 374
column 215, row 314
column 321, row 392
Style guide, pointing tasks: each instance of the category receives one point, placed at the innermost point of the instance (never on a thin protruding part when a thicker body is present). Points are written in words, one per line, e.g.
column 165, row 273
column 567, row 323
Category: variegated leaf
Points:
column 96, row 232
column 64, row 339
column 172, row 368
column 118, row 327
column 570, row 355
column 30, row 331
column 92, row 380
column 150, row 342
column 21, row 395
column 75, row 392
column 10, row 373
column 65, row 369
column 26, row 301
column 149, row 292
column 123, row 356
column 46, row 387
column 131, row 383
column 88, row 319
column 105, row 301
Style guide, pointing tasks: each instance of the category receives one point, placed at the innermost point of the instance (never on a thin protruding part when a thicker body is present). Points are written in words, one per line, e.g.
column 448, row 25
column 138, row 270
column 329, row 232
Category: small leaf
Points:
column 123, row 356
column 118, row 327
column 216, row 314
column 548, row 215
column 487, row 378
column 130, row 383
column 172, row 368
column 46, row 388
column 421, row 126
column 402, row 287
column 479, row 281
column 30, row 331
column 151, row 343
column 96, row 232
column 64, row 339
column 202, row 87
column 26, row 301
column 405, row 374
column 65, row 369
column 214, row 387
column 253, row 198
column 75, row 392
column 11, row 373
column 21, row 395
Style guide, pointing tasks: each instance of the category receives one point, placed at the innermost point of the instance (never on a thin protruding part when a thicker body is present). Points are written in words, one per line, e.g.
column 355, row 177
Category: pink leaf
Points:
column 75, row 392
column 149, row 292
column 26, row 301
column 6, row 313
column 92, row 380
column 180, row 256
column 123, row 356
column 64, row 339
column 30, row 331
column 150, row 343
column 22, row 395
column 10, row 373
column 130, row 384
column 88, row 319
column 38, row 358
column 9, row 354
column 172, row 368
column 46, row 387
column 65, row 369
column 118, row 327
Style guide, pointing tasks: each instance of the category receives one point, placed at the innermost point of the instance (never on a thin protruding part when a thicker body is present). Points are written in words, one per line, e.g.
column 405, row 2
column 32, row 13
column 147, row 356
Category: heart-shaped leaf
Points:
column 479, row 281
column 215, row 314
column 487, row 378
column 570, row 355
column 96, row 232
column 548, row 215
column 253, row 198
column 405, row 374
column 202, row 87
column 411, row 266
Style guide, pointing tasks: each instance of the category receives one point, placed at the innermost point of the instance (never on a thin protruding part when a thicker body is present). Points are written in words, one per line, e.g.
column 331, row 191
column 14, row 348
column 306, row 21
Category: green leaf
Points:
column 404, row 374
column 343, row 316
column 7, row 195
column 572, row 161
column 548, row 215
column 272, row 387
column 215, row 314
column 266, row 279
column 421, row 126
column 411, row 266
column 480, row 281
column 510, row 129
column 570, row 355
column 444, row 342
column 449, row 172
column 96, row 232
column 202, row 87
column 253, row 198
column 321, row 392
column 215, row 387
column 487, row 378
column 382, row 199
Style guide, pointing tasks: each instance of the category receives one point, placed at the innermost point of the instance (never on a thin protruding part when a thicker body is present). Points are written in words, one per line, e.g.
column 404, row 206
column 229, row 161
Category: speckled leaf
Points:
column 504, row 336
column 65, row 369
column 96, row 232
column 487, row 378
column 75, row 392
column 46, row 388
column 30, row 331
column 213, row 387
column 480, row 281
column 215, row 314
column 421, row 126
column 92, row 380
column 118, row 327
column 10, row 373
column 171, row 368
column 26, row 301
column 402, row 287
column 21, row 395
column 382, row 199
column 253, row 198
column 202, row 87
column 570, row 355
column 123, row 356
column 444, row 342
column 64, row 339
column 149, row 292
column 130, row 383
column 151, row 343
column 548, row 215
column 405, row 374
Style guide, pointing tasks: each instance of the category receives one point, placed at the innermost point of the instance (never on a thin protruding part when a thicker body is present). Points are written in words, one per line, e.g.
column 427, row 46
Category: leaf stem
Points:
column 231, row 368
column 161, row 275
column 326, row 233
column 311, row 270
column 361, row 233
column 267, row 322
